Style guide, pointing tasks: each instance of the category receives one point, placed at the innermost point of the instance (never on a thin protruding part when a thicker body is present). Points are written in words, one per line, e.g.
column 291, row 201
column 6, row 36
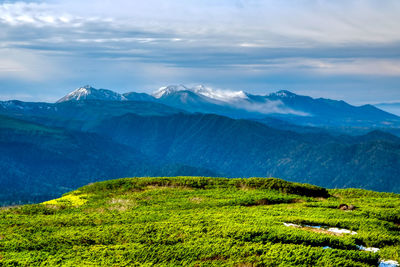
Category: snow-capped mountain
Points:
column 286, row 105
column 89, row 93
column 221, row 95
column 282, row 94
column 170, row 89
column 237, row 104
column 189, row 99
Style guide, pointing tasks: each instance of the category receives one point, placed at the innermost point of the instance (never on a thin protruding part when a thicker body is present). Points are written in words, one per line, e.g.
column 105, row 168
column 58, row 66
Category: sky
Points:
column 339, row 49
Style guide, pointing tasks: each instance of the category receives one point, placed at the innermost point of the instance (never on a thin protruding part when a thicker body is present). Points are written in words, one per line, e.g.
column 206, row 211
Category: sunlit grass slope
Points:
column 195, row 221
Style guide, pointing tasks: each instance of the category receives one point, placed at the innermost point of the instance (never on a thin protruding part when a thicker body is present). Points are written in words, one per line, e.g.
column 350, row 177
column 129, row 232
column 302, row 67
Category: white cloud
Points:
column 25, row 65
column 328, row 66
column 226, row 43
column 360, row 66
column 292, row 23
column 270, row 107
column 41, row 15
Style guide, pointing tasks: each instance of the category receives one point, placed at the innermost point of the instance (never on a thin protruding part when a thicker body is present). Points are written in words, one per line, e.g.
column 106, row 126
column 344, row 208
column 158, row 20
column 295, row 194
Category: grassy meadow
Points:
column 197, row 221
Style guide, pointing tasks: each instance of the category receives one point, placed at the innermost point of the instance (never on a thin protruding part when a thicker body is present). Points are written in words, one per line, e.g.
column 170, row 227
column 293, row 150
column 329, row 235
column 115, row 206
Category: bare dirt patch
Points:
column 196, row 199
column 322, row 231
column 121, row 204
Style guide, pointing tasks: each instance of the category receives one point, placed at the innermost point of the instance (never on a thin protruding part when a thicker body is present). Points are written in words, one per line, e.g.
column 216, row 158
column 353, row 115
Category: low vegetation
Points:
column 199, row 221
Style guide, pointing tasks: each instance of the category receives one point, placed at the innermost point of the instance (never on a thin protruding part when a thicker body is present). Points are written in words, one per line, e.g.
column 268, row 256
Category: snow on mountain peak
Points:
column 77, row 94
column 283, row 93
column 88, row 92
column 221, row 95
column 166, row 90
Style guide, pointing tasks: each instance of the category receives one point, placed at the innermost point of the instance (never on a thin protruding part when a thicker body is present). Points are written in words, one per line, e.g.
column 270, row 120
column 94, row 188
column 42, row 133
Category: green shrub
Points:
column 200, row 221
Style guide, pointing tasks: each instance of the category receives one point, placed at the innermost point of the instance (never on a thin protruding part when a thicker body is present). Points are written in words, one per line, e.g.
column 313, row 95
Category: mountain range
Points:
column 284, row 105
column 96, row 134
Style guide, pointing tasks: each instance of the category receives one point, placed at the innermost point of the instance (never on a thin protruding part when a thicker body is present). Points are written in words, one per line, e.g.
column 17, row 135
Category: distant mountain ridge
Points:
column 79, row 114
column 95, row 134
column 285, row 105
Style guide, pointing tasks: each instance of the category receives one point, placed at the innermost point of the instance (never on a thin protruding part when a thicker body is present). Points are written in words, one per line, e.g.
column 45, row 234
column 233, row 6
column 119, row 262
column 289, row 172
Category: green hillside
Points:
column 196, row 221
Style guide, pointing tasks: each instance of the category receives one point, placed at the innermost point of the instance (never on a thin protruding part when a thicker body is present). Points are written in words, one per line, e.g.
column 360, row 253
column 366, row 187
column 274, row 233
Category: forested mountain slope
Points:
column 39, row 162
column 241, row 148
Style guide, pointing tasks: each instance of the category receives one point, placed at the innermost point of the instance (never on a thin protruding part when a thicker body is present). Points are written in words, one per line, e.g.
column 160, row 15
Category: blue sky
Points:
column 338, row 49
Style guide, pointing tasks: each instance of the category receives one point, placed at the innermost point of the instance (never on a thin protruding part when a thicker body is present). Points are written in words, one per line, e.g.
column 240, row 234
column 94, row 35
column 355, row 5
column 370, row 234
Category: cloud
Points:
column 250, row 44
column 271, row 107
column 329, row 66
column 219, row 23
column 23, row 65
column 40, row 15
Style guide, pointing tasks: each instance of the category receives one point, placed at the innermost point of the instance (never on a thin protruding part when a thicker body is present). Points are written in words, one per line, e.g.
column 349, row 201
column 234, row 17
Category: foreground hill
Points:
column 195, row 221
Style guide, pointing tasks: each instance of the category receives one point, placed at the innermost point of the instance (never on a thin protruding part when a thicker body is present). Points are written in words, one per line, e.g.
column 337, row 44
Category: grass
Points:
column 74, row 199
column 197, row 221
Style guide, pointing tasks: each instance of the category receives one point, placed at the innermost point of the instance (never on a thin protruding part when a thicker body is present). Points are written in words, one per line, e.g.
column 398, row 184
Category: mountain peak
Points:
column 88, row 92
column 167, row 90
column 283, row 93
column 220, row 95
column 86, row 87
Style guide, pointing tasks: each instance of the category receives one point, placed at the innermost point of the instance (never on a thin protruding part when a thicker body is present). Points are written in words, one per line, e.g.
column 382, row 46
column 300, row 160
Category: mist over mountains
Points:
column 390, row 107
column 96, row 134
